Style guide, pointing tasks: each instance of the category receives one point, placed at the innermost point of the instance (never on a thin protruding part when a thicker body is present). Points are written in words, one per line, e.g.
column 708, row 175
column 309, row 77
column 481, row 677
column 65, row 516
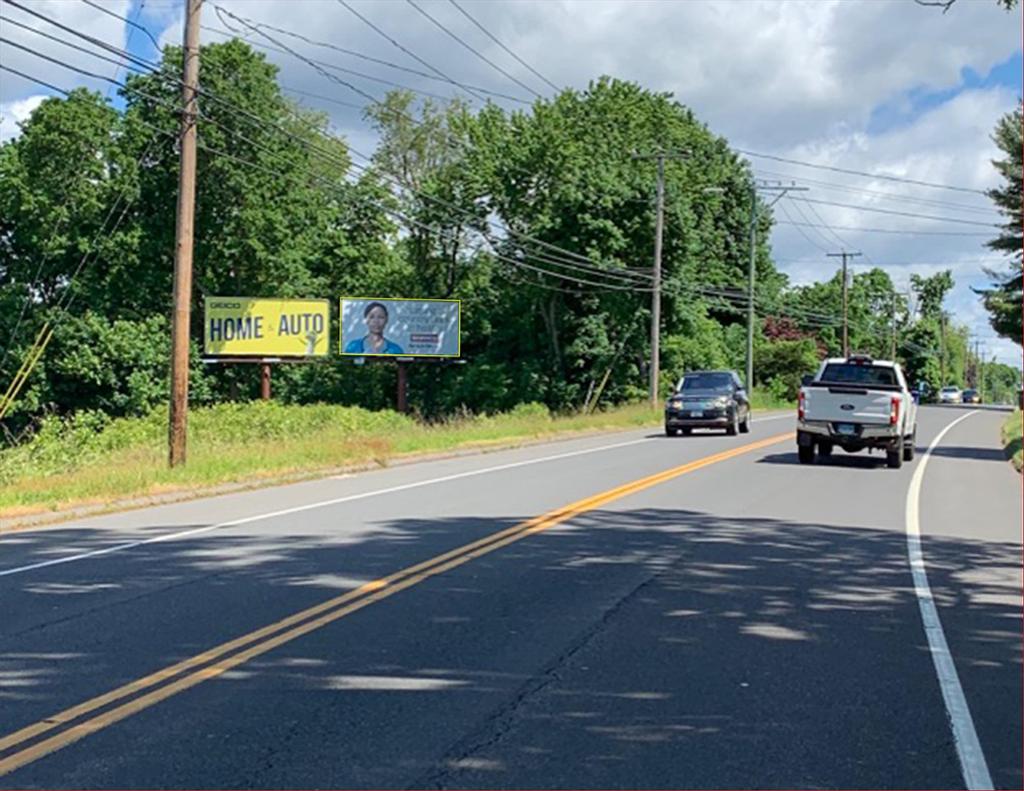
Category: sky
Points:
column 883, row 87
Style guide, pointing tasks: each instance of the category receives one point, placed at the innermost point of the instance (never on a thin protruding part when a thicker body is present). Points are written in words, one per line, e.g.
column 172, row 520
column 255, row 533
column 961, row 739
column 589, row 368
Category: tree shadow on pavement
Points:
column 655, row 648
column 980, row 454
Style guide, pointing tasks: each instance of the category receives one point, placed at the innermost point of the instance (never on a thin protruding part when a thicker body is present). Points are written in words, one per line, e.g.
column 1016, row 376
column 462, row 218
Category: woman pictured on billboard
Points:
column 376, row 318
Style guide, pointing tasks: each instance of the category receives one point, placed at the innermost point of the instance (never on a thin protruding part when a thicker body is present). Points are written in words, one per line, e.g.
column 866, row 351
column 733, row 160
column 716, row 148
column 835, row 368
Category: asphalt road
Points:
column 707, row 613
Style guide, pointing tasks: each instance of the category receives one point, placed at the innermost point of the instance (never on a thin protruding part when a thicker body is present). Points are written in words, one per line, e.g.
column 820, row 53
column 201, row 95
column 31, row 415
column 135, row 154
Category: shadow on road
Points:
column 656, row 648
column 980, row 454
column 839, row 458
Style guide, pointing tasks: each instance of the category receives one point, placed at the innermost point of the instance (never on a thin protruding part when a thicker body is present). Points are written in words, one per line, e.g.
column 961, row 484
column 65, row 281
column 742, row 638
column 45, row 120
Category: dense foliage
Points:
column 1004, row 299
column 452, row 203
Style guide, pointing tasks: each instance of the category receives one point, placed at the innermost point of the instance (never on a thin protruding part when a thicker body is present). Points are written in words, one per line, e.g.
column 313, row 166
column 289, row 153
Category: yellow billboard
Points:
column 246, row 327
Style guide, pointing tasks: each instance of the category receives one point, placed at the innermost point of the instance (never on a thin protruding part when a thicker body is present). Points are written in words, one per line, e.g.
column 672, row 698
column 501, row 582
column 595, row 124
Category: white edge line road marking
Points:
column 323, row 503
column 968, row 748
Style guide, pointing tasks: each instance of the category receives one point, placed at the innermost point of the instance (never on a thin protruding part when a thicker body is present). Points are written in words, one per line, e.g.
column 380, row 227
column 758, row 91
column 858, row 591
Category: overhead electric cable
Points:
column 409, row 52
column 492, row 37
column 476, row 52
column 881, row 176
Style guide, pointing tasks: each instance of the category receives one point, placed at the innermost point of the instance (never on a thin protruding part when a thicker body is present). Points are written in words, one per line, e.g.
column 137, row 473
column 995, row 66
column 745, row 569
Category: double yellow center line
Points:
column 26, row 745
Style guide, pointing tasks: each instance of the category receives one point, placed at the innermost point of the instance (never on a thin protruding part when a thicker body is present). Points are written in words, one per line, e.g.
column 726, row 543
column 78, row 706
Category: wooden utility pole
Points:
column 846, row 313
column 659, row 226
column 780, row 192
column 183, row 239
column 981, row 372
column 942, row 349
column 892, row 342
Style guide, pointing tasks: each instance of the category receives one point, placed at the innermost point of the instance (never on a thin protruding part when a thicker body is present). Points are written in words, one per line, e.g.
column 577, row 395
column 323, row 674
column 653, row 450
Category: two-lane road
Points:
column 620, row 611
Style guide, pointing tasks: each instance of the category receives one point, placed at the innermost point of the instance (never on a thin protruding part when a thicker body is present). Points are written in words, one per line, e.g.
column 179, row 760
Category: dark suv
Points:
column 708, row 399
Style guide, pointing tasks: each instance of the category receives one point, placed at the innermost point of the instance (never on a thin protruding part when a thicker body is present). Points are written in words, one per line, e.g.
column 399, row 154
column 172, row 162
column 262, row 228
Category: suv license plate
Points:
column 846, row 428
column 696, row 413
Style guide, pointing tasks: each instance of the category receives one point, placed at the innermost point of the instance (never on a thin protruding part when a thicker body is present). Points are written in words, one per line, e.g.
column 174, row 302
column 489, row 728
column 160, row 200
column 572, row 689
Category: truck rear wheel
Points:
column 825, row 450
column 894, row 456
column 909, row 447
column 805, row 453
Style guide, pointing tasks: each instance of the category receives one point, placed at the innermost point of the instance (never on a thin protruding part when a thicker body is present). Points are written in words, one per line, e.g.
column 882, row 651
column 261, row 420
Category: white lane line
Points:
column 968, row 748
column 323, row 503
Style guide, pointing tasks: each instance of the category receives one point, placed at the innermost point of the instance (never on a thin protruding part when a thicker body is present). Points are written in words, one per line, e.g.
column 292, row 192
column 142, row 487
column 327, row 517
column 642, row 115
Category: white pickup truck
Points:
column 856, row 403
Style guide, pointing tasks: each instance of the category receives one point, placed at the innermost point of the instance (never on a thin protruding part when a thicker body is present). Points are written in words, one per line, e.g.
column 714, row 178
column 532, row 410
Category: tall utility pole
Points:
column 892, row 342
column 981, row 372
column 183, row 239
column 942, row 349
column 659, row 225
column 755, row 215
column 846, row 312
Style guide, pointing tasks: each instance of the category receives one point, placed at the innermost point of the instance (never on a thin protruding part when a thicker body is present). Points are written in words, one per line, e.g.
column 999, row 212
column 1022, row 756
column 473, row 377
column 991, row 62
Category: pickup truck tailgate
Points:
column 847, row 404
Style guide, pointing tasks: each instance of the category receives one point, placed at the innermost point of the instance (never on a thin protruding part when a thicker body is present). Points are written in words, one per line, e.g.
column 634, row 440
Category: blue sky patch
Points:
column 912, row 104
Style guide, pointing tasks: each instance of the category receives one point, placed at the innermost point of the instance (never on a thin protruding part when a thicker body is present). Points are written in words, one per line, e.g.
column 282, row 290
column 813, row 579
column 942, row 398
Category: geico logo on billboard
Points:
column 266, row 327
column 386, row 327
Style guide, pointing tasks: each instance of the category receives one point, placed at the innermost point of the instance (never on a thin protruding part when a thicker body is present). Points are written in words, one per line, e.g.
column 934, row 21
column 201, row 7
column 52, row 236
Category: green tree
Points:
column 563, row 174
column 1003, row 300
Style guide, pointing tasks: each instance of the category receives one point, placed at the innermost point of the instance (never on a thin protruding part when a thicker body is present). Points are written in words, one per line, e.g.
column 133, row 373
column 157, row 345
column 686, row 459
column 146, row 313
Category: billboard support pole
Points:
column 403, row 388
column 265, row 381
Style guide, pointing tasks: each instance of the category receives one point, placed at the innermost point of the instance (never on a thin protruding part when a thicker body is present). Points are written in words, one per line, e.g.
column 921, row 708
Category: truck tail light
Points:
column 800, row 405
column 894, row 411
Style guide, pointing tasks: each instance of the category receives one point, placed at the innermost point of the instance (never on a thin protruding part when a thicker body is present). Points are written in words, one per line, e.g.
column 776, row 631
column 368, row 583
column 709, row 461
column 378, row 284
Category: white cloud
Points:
column 948, row 145
column 14, row 113
column 796, row 78
column 80, row 18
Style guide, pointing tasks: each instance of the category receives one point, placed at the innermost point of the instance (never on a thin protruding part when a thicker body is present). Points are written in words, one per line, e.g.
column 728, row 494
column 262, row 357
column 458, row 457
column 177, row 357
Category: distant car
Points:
column 950, row 395
column 708, row 399
column 971, row 397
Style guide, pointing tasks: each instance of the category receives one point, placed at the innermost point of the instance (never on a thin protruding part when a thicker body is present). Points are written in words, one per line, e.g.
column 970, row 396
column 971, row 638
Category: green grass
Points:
column 1012, row 430
column 760, row 401
column 91, row 459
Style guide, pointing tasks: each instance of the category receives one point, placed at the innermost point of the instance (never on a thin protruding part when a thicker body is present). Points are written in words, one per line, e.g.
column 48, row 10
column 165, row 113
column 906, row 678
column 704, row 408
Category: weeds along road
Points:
column 629, row 610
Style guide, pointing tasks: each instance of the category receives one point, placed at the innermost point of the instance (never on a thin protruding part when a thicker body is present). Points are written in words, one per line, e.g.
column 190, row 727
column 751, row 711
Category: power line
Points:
column 72, row 45
column 887, row 230
column 625, row 276
column 491, row 36
column 94, row 41
column 409, row 52
column 296, row 91
column 900, row 213
column 896, row 196
column 880, row 176
column 476, row 52
column 64, row 302
column 355, row 54
column 220, row 12
column 434, row 199
column 135, row 25
column 799, row 229
column 825, row 225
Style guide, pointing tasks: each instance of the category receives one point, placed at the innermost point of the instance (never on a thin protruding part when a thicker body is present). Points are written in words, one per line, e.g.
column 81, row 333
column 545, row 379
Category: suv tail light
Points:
column 894, row 411
column 800, row 405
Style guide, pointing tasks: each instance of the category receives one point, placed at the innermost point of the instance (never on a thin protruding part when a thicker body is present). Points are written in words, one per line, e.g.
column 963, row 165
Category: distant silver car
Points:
column 951, row 395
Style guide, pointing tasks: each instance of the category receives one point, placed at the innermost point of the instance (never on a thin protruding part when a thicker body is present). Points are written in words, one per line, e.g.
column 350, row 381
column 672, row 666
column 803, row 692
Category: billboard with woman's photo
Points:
column 385, row 327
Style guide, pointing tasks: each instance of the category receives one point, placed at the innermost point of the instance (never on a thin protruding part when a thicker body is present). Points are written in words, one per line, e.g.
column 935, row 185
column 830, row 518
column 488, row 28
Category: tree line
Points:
column 541, row 221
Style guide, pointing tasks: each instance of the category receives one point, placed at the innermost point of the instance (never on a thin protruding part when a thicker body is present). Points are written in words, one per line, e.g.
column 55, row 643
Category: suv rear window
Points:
column 848, row 373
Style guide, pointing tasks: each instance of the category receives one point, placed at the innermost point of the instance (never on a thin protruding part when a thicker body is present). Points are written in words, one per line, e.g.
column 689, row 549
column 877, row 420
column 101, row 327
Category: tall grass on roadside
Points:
column 90, row 458
column 1012, row 430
